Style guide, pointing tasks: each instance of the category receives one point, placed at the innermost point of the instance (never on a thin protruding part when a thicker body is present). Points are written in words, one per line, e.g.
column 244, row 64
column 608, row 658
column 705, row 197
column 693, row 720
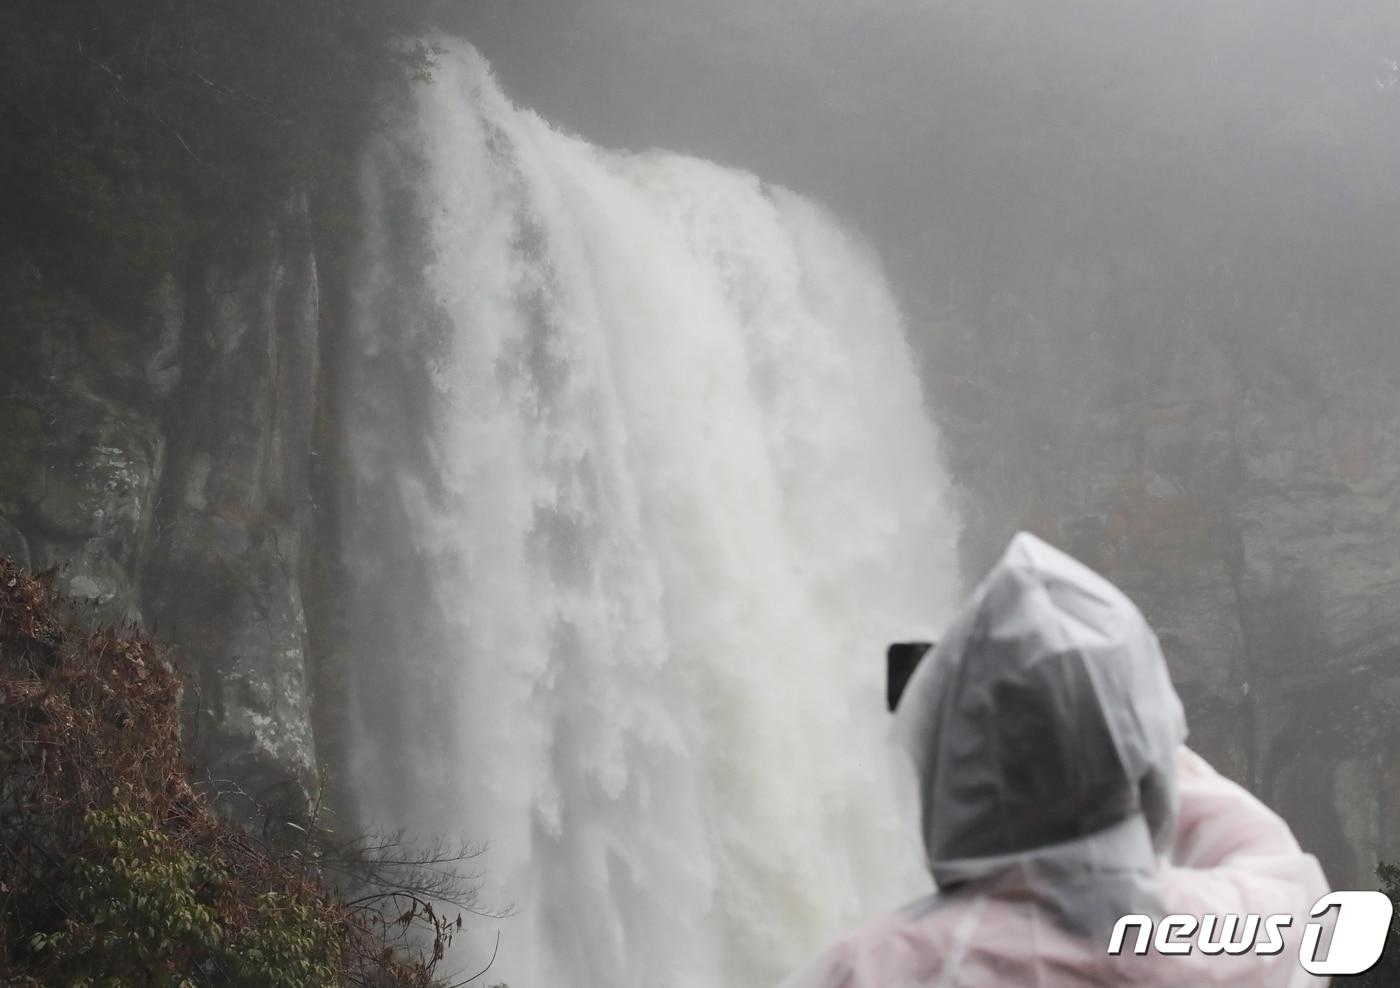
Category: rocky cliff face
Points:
column 1238, row 474
column 160, row 461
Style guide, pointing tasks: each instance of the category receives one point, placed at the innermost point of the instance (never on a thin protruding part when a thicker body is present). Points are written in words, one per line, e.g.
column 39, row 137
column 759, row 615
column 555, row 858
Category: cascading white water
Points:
column 641, row 485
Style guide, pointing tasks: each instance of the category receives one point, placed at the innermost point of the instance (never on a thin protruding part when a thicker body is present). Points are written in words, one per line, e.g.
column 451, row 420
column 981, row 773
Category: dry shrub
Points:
column 115, row 869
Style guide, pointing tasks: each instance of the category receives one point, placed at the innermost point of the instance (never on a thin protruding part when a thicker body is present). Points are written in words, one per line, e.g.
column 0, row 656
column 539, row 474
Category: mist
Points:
column 983, row 134
column 1147, row 252
column 530, row 421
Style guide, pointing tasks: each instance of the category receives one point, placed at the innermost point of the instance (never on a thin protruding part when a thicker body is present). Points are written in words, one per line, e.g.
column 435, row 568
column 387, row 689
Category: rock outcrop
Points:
column 159, row 461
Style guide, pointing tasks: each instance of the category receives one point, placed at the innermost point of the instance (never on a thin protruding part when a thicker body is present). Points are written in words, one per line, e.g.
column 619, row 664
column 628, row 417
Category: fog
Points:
column 544, row 457
column 969, row 135
column 1147, row 251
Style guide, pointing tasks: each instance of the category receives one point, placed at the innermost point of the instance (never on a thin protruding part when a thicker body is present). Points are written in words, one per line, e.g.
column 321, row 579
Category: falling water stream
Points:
column 640, row 483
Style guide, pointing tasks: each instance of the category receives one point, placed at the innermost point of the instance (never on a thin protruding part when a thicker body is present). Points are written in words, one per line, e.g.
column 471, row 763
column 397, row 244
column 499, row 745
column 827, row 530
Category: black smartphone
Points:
column 901, row 659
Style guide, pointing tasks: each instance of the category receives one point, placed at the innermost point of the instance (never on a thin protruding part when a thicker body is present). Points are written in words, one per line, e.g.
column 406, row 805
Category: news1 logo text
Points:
column 1358, row 934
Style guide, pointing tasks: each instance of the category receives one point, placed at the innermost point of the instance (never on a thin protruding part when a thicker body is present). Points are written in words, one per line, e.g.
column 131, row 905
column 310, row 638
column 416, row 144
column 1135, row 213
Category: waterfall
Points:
column 640, row 483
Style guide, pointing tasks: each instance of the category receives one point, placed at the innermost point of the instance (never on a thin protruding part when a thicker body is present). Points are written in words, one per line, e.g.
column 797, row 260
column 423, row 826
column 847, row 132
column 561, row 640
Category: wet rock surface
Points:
column 157, row 462
column 234, row 512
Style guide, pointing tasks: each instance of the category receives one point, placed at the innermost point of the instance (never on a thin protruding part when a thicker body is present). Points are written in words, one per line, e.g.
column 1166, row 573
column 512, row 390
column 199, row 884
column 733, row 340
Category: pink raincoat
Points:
column 1057, row 797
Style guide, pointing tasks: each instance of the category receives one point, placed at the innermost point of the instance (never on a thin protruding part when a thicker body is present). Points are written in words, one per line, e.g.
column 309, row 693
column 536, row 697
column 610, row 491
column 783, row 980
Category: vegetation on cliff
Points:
column 114, row 869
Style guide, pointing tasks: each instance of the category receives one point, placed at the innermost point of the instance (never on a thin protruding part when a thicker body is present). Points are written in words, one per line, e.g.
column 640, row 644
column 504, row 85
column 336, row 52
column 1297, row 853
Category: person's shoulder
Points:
column 874, row 953
column 960, row 940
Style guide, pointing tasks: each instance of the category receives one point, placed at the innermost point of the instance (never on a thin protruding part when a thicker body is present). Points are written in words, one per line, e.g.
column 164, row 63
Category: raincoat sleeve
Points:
column 1221, row 825
column 1232, row 854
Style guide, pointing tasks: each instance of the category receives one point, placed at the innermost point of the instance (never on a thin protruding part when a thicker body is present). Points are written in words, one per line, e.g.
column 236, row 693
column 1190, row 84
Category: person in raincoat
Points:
column 1057, row 797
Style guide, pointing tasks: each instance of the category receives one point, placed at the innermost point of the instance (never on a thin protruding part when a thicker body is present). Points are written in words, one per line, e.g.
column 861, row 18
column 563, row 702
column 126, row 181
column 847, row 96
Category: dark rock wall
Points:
column 160, row 461
column 1238, row 474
